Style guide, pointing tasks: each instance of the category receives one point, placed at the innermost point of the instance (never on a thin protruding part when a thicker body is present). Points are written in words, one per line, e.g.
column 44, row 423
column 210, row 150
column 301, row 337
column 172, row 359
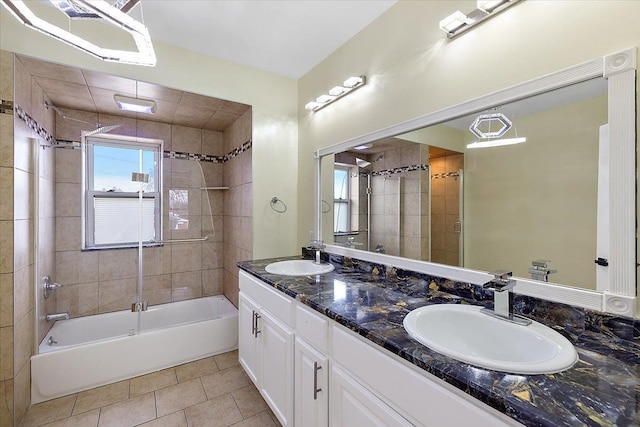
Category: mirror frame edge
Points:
column 619, row 69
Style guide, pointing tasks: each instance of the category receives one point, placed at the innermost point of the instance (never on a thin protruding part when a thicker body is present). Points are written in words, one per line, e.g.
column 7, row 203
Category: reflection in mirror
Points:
column 531, row 207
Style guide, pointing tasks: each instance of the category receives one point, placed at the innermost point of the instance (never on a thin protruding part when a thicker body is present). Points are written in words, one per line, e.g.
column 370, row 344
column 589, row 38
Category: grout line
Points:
column 73, row 408
column 155, row 404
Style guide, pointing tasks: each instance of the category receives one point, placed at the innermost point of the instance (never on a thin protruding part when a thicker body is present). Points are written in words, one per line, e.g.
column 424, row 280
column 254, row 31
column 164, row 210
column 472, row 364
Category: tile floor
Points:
column 209, row 392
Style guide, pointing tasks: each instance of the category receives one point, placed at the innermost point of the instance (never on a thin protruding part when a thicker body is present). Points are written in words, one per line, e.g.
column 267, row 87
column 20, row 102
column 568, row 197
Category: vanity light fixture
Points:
column 135, row 105
column 489, row 5
column 458, row 22
column 453, row 22
column 92, row 9
column 337, row 92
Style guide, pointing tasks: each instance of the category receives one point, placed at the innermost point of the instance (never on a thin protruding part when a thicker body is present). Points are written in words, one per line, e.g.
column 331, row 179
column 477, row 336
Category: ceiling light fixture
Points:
column 485, row 120
column 458, row 22
column 363, row 147
column 135, row 105
column 481, row 127
column 94, row 9
column 337, row 92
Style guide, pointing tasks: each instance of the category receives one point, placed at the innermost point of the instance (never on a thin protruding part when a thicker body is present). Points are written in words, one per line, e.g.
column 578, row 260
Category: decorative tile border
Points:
column 388, row 172
column 445, row 175
column 33, row 125
column 207, row 157
column 44, row 134
column 192, row 156
column 6, row 107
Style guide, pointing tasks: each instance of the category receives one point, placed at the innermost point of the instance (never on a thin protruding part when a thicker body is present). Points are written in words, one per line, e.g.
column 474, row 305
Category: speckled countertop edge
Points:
column 602, row 389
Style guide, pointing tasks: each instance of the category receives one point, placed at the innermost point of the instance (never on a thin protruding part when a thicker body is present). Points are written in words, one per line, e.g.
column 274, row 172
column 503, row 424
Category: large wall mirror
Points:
column 546, row 198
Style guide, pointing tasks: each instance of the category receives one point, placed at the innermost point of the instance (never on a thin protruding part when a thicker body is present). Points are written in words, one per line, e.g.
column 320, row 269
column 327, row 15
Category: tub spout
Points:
column 58, row 316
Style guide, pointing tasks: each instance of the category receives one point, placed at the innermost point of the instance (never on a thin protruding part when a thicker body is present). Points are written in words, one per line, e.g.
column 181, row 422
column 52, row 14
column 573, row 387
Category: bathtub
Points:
column 96, row 350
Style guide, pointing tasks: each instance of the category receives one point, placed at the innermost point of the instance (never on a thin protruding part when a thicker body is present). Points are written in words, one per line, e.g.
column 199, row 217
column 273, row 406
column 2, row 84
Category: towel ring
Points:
column 324, row 202
column 274, row 201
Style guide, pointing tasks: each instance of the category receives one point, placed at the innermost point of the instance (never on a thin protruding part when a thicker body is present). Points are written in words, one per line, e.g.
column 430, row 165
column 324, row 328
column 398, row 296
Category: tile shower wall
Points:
column 6, row 242
column 18, row 216
column 238, row 202
column 445, row 209
column 399, row 201
column 106, row 280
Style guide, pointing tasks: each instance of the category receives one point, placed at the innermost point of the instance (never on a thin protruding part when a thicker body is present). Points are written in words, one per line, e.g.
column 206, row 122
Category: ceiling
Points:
column 286, row 37
column 76, row 89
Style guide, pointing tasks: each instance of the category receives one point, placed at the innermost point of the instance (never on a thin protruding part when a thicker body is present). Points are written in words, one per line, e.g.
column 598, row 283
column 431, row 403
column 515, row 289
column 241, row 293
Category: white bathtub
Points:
column 96, row 350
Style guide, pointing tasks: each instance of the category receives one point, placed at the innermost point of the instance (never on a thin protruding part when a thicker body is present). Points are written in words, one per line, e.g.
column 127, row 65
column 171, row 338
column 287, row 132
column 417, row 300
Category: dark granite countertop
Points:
column 602, row 389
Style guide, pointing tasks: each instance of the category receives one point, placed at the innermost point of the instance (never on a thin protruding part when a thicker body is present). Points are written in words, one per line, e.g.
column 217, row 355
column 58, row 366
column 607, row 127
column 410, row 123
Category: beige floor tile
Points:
column 274, row 418
column 87, row 419
column 101, row 396
column 263, row 419
column 51, row 410
column 130, row 412
column 196, row 369
column 152, row 382
column 177, row 419
column 180, row 396
column 227, row 360
column 6, row 403
column 249, row 401
column 218, row 412
column 224, row 382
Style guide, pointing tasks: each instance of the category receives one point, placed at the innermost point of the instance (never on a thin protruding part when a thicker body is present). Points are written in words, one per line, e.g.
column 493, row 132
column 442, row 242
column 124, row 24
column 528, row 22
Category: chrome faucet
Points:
column 501, row 285
column 58, row 316
column 318, row 246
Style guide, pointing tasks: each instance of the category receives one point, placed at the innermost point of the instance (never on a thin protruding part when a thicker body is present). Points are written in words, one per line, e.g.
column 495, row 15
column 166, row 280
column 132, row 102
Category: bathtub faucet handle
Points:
column 49, row 286
column 139, row 306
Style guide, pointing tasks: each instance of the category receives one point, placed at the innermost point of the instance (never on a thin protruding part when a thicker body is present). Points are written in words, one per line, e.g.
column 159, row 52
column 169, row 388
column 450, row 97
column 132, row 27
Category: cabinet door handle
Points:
column 316, row 390
column 256, row 331
column 253, row 323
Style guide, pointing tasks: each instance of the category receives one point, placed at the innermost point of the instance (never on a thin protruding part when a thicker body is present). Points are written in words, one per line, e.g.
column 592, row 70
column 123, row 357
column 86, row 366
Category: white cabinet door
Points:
column 312, row 386
column 353, row 405
column 276, row 366
column 248, row 343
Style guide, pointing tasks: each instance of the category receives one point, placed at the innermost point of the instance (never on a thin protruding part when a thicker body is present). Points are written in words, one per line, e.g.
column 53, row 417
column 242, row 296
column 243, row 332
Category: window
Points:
column 341, row 208
column 111, row 204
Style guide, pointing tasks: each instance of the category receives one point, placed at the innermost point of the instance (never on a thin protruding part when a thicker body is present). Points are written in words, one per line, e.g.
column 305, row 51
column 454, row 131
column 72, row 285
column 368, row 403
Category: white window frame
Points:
column 89, row 195
column 347, row 201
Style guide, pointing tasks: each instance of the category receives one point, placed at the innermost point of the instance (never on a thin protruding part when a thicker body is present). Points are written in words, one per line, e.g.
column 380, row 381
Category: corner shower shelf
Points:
column 214, row 188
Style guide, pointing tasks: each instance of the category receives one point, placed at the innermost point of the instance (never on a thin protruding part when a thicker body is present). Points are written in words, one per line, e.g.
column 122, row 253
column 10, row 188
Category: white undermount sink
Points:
column 464, row 333
column 298, row 267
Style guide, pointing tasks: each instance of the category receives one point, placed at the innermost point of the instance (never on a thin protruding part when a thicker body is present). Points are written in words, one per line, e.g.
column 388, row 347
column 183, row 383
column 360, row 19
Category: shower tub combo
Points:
column 86, row 352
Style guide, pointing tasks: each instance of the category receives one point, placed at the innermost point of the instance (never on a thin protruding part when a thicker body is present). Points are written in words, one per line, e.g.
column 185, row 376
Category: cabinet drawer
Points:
column 422, row 397
column 311, row 326
column 277, row 303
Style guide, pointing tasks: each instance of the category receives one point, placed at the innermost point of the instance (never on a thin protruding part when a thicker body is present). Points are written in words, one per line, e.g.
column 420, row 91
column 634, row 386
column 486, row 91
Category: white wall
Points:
column 273, row 98
column 412, row 69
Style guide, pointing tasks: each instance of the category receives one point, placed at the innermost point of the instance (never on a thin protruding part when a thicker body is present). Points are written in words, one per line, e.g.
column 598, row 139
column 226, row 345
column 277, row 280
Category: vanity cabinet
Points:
column 311, row 386
column 247, row 341
column 314, row 372
column 266, row 346
column 354, row 405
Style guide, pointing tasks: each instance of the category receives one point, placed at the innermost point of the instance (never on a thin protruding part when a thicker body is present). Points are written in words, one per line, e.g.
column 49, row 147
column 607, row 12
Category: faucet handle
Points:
column 501, row 274
column 501, row 281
